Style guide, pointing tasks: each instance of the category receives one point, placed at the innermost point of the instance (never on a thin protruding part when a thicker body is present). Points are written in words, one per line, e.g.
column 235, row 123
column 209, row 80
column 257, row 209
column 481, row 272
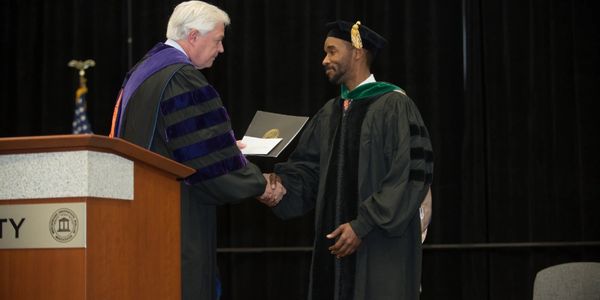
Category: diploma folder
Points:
column 267, row 125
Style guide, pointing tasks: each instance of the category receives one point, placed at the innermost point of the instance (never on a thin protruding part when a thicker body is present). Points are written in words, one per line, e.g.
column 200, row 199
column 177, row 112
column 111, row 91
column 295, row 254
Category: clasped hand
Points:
column 274, row 190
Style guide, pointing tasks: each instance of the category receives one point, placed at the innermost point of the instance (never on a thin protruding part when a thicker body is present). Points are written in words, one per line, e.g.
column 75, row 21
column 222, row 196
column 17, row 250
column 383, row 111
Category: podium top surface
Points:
column 77, row 142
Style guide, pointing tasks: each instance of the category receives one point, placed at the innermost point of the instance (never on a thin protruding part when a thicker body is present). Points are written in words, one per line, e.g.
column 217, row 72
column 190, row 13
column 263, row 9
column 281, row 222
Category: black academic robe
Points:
column 181, row 117
column 371, row 167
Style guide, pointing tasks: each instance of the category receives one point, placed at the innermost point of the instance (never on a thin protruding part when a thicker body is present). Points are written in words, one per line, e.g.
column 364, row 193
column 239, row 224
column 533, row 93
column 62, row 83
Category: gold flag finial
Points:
column 82, row 65
column 355, row 36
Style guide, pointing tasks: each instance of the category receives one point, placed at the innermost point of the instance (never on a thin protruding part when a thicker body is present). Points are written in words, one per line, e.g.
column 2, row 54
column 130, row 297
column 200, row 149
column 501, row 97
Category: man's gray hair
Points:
column 197, row 15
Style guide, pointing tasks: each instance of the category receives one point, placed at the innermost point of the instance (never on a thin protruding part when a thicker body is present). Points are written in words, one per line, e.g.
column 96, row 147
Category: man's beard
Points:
column 337, row 77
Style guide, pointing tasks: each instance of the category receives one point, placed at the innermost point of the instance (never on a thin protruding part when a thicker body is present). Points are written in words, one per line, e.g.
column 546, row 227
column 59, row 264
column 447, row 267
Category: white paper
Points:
column 258, row 146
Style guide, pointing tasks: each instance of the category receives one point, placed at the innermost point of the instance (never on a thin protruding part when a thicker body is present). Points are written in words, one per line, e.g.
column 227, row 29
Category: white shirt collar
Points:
column 175, row 45
column 369, row 79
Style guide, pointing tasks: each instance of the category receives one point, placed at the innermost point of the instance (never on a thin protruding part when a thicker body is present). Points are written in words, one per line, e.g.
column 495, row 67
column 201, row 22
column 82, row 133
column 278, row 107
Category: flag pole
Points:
column 80, row 121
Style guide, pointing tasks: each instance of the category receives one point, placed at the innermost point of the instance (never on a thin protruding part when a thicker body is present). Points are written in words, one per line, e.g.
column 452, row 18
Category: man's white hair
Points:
column 194, row 15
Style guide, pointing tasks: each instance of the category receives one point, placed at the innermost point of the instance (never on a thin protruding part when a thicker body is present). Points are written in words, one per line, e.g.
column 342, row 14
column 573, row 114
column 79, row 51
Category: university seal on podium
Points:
column 64, row 225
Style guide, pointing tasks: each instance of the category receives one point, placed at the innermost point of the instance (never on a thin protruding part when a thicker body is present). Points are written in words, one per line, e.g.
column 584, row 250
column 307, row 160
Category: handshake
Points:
column 274, row 190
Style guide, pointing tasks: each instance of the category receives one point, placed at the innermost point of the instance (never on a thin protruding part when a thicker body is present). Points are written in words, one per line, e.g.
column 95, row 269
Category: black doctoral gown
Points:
column 370, row 166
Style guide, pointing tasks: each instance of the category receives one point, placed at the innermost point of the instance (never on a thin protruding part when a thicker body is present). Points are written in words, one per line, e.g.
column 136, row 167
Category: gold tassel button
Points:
column 355, row 36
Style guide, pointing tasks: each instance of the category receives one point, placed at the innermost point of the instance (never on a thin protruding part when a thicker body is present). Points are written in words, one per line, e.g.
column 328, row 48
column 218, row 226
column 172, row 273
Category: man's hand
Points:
column 241, row 145
column 347, row 241
column 274, row 190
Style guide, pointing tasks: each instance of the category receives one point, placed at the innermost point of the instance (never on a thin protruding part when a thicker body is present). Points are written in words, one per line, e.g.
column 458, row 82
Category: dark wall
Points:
column 508, row 90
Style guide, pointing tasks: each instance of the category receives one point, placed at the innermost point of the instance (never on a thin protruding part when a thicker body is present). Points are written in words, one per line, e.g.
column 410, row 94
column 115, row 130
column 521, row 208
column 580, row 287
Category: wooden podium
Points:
column 127, row 227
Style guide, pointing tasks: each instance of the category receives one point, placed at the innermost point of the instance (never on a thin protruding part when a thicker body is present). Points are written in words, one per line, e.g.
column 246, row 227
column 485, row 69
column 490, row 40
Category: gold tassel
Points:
column 355, row 36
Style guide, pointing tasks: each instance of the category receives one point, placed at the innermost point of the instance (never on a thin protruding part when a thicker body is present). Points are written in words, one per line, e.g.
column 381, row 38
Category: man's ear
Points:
column 192, row 36
column 359, row 53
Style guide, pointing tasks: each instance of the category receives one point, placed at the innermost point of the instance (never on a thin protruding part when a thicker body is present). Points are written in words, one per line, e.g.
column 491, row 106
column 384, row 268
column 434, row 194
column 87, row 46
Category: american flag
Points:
column 81, row 124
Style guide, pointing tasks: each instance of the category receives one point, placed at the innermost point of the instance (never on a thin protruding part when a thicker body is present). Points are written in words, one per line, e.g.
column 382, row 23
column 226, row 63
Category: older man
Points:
column 167, row 106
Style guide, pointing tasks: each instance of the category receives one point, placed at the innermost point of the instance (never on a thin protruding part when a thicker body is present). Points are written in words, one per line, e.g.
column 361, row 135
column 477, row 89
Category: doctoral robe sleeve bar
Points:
column 197, row 131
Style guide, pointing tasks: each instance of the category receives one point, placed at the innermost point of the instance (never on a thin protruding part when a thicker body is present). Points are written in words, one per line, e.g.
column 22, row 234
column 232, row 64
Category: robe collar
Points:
column 159, row 57
column 368, row 88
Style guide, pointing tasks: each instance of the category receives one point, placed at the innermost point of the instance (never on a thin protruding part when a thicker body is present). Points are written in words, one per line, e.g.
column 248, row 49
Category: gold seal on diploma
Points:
column 271, row 134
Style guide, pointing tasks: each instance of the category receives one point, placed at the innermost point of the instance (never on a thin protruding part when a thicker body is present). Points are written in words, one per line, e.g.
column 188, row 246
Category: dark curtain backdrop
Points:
column 508, row 90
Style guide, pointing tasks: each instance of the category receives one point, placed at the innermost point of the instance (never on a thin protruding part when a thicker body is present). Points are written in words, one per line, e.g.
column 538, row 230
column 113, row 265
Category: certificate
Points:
column 270, row 133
